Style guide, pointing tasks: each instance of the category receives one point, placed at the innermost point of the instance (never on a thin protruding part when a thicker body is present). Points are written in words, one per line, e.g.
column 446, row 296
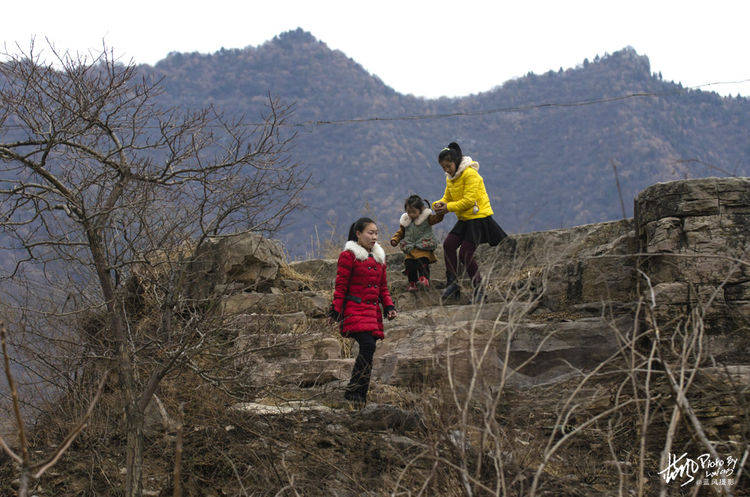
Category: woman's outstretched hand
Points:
column 392, row 314
column 440, row 207
column 394, row 243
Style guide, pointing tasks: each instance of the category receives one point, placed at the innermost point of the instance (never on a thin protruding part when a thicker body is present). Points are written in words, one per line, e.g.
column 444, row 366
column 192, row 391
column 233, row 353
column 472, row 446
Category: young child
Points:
column 360, row 289
column 416, row 239
column 465, row 195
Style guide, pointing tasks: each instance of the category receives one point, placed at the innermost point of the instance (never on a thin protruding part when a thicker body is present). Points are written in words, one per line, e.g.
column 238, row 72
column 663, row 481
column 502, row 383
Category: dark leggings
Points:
column 416, row 268
column 466, row 254
column 360, row 381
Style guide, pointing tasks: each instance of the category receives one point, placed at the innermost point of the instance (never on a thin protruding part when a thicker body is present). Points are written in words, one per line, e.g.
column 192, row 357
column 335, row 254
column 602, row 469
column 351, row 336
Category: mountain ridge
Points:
column 547, row 142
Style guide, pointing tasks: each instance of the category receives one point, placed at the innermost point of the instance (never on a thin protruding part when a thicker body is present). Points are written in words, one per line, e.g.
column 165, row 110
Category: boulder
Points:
column 245, row 260
column 664, row 235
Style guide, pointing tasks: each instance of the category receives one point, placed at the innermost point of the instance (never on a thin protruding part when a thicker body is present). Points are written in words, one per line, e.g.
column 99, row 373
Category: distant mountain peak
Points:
column 628, row 57
column 295, row 36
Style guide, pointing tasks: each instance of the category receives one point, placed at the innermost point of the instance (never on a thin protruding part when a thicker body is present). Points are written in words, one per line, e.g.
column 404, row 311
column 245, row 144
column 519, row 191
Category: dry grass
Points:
column 494, row 442
column 287, row 272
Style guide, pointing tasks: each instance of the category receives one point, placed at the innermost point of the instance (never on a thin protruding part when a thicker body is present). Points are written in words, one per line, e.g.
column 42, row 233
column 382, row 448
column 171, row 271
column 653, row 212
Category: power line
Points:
column 549, row 105
column 519, row 108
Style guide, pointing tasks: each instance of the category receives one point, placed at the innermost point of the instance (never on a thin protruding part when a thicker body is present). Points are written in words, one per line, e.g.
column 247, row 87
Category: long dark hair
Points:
column 358, row 225
column 452, row 153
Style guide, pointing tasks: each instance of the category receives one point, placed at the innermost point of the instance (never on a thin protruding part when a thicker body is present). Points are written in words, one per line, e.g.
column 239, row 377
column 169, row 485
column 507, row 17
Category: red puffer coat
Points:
column 360, row 276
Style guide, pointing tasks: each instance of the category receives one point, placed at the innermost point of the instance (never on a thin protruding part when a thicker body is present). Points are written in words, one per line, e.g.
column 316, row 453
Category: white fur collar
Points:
column 361, row 254
column 465, row 162
column 406, row 220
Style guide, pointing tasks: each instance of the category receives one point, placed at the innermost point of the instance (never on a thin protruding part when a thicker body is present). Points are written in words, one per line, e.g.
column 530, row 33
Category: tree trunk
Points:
column 134, row 455
column 125, row 368
column 23, row 486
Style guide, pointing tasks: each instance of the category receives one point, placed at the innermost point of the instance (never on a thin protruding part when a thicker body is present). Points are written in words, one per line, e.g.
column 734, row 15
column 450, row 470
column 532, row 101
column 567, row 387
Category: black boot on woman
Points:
column 452, row 290
column 478, row 296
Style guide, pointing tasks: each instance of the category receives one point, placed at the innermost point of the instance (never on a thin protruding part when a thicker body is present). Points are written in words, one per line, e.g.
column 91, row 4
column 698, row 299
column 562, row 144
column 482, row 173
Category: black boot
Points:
column 478, row 296
column 452, row 290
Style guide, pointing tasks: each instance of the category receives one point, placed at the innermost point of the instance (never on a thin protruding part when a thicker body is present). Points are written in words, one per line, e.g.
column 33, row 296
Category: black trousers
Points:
column 416, row 268
column 360, row 381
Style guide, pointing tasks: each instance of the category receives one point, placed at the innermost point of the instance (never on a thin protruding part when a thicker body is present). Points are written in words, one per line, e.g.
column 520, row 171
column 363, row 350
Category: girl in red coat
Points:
column 361, row 288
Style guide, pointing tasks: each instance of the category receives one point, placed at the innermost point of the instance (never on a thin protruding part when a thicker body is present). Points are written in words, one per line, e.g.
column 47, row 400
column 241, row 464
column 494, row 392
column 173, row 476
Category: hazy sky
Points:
column 429, row 48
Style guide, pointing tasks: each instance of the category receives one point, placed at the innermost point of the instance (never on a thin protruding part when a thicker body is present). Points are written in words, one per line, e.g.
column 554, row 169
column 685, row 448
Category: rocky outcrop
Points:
column 695, row 237
column 582, row 265
column 491, row 385
column 438, row 342
column 679, row 252
column 233, row 262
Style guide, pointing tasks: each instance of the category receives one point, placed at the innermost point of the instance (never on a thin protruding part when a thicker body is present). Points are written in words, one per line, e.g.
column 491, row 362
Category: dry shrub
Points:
column 287, row 272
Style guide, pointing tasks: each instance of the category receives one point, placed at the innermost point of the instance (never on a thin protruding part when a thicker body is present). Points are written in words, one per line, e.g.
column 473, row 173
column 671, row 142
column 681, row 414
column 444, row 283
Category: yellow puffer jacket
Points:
column 465, row 190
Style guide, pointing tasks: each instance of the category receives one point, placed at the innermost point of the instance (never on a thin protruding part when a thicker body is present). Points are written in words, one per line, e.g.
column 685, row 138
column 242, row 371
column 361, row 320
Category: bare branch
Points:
column 52, row 460
column 14, row 394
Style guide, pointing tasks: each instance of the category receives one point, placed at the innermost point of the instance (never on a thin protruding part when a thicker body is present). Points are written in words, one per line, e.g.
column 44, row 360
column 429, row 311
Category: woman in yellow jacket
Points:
column 466, row 196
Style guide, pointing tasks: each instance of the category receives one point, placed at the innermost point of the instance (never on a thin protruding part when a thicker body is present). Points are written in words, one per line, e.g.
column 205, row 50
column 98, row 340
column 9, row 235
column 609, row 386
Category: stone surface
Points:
column 297, row 346
column 323, row 271
column 245, row 259
column 287, row 323
column 697, row 229
column 311, row 303
column 283, row 370
column 279, row 409
column 688, row 228
column 664, row 235
column 429, row 343
column 568, row 267
column 701, row 197
column 293, row 285
column 738, row 374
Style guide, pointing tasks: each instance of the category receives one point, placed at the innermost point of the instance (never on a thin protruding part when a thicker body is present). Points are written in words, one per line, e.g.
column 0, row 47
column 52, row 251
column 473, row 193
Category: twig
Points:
column 8, row 451
column 236, row 473
column 14, row 394
column 178, row 453
column 44, row 466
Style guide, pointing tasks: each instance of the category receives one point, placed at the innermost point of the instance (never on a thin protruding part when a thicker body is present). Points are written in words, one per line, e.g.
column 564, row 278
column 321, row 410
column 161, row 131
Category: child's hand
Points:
column 392, row 314
column 393, row 242
column 440, row 207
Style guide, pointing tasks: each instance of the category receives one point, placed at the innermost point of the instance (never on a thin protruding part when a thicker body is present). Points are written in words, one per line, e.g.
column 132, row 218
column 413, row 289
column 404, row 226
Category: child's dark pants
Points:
column 416, row 268
column 360, row 381
column 466, row 254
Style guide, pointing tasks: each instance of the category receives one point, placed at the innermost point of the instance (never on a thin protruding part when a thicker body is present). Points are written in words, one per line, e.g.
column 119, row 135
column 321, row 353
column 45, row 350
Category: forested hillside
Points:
column 545, row 165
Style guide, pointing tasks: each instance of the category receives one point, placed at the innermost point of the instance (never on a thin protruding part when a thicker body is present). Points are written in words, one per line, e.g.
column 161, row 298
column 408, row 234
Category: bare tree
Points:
column 30, row 470
column 106, row 193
